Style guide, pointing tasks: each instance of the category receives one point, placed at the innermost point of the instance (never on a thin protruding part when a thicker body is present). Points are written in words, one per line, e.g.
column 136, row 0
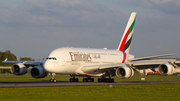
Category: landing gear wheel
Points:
column 112, row 80
column 52, row 78
column 76, row 80
column 84, row 80
column 105, row 80
column 70, row 80
column 73, row 80
column 88, row 79
column 100, row 79
column 92, row 79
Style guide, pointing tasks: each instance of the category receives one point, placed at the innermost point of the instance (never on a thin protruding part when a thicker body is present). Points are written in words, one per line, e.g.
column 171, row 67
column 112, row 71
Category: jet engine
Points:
column 19, row 69
column 124, row 72
column 166, row 69
column 38, row 72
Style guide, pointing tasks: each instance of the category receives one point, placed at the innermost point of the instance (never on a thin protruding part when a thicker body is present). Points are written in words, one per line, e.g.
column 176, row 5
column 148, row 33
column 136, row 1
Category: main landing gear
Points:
column 99, row 79
column 84, row 79
column 105, row 80
column 73, row 79
column 52, row 78
column 88, row 79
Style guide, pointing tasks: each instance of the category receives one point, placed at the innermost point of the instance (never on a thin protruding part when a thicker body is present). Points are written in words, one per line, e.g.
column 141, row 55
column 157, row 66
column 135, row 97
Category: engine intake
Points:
column 166, row 69
column 124, row 72
column 19, row 69
column 38, row 72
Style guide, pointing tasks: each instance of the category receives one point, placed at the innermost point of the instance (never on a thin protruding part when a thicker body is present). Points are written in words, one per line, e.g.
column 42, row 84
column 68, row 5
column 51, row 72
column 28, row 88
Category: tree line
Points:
column 11, row 57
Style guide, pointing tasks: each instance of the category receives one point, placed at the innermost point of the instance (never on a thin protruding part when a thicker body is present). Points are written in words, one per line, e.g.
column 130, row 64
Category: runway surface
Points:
column 62, row 84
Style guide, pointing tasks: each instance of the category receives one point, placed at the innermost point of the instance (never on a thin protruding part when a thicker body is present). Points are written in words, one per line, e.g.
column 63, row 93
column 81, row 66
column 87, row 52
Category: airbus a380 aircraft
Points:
column 96, row 62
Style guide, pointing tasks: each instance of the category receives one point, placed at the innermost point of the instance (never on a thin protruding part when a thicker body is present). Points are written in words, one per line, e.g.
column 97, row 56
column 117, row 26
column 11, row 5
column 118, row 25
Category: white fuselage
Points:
column 71, row 60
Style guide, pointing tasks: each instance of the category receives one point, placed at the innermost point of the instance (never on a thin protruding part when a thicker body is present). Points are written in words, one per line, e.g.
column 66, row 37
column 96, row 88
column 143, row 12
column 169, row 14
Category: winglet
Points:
column 127, row 36
column 6, row 59
column 24, row 62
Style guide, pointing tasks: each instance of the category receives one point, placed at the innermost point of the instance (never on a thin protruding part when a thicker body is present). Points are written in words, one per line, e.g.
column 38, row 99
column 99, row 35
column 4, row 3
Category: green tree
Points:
column 8, row 55
column 26, row 59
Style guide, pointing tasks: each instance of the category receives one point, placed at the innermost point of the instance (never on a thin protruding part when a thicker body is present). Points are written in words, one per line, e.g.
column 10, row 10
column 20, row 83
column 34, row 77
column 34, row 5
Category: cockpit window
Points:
column 51, row 58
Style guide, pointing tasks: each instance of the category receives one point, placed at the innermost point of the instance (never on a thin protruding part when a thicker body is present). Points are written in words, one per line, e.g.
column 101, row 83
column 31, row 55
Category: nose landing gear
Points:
column 52, row 77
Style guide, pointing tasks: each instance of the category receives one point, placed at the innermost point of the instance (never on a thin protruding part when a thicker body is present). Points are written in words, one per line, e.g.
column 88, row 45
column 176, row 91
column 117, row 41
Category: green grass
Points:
column 97, row 93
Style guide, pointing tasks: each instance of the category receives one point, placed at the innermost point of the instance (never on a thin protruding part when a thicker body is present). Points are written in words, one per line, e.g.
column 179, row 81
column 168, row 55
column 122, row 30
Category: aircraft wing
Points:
column 144, row 62
column 150, row 57
column 149, row 64
column 137, row 65
column 26, row 63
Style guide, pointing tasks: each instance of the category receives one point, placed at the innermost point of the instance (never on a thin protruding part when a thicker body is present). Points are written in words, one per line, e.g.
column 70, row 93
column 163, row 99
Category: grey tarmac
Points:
column 63, row 84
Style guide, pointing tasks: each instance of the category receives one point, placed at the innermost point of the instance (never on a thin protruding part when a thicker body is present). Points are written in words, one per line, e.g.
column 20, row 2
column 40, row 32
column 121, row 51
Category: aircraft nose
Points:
column 47, row 66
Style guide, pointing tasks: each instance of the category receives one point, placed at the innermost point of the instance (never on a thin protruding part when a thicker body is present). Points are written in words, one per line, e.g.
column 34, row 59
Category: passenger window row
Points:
column 49, row 58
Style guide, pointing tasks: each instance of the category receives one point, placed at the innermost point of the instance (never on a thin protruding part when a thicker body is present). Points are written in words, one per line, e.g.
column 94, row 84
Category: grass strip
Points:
column 97, row 93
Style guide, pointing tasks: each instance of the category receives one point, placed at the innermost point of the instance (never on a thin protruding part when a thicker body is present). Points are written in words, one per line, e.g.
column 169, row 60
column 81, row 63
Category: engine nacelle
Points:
column 124, row 72
column 19, row 69
column 166, row 69
column 38, row 72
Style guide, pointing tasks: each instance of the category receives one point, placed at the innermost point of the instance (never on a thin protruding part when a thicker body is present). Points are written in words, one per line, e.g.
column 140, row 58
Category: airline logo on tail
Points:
column 125, row 43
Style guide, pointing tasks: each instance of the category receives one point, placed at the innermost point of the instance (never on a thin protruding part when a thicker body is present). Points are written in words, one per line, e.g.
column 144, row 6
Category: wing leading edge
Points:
column 150, row 57
column 27, row 63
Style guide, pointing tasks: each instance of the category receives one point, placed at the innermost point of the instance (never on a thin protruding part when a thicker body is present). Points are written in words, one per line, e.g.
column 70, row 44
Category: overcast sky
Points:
column 33, row 28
